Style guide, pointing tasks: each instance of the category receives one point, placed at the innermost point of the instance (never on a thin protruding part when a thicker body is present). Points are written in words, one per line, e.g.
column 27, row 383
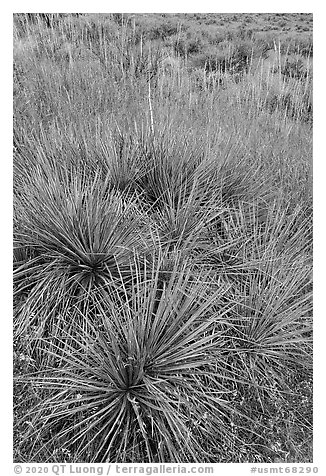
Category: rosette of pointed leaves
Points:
column 73, row 236
column 144, row 384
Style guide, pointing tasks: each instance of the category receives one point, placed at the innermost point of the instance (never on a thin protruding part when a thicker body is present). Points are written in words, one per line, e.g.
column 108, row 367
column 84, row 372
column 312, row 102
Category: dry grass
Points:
column 163, row 240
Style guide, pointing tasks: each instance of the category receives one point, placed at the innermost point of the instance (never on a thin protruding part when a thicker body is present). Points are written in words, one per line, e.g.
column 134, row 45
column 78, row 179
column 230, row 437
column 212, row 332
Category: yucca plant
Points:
column 266, row 259
column 79, row 232
column 168, row 163
column 271, row 330
column 144, row 384
column 183, row 215
column 124, row 160
column 250, row 236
